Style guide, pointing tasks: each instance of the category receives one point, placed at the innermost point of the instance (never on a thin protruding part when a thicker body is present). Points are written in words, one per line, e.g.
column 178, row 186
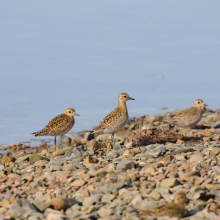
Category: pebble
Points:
column 87, row 180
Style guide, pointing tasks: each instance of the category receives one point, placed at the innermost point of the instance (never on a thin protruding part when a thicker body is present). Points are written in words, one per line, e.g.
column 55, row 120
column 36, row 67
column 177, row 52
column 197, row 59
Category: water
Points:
column 56, row 55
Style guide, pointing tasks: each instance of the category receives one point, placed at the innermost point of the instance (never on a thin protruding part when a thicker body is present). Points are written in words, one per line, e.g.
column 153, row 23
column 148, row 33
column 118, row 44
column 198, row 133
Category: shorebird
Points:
column 59, row 125
column 190, row 116
column 116, row 119
column 175, row 209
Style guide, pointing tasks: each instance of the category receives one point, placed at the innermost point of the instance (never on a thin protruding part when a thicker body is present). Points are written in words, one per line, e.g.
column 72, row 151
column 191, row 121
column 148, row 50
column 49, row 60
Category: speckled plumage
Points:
column 59, row 125
column 175, row 209
column 190, row 116
column 116, row 119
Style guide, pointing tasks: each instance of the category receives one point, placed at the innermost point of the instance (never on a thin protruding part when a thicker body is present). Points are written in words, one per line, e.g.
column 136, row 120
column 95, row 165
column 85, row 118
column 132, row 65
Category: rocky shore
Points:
column 86, row 179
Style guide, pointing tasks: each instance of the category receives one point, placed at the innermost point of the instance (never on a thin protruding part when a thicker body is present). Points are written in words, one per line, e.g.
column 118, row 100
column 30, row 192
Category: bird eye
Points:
column 125, row 96
column 69, row 111
column 198, row 102
column 181, row 197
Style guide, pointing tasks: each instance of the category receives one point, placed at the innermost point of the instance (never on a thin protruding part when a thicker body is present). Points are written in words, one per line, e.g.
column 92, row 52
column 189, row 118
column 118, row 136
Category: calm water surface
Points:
column 83, row 54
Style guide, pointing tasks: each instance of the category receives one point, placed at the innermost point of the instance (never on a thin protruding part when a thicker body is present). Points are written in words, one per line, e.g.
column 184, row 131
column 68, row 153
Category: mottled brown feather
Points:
column 175, row 209
column 116, row 119
column 190, row 116
column 59, row 125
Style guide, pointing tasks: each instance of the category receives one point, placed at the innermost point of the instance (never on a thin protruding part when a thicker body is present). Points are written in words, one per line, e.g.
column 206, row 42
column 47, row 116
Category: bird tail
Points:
column 35, row 134
column 96, row 129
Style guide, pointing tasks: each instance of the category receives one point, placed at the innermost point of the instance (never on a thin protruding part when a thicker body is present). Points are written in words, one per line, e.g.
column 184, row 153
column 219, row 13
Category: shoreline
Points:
column 87, row 179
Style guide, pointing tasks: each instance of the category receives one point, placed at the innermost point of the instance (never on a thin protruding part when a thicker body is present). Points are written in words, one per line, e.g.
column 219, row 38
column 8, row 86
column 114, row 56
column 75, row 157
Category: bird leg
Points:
column 113, row 140
column 55, row 141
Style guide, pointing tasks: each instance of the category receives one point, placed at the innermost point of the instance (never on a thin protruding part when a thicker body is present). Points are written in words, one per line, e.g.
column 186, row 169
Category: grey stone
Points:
column 125, row 165
column 137, row 201
column 197, row 157
column 21, row 159
column 79, row 166
column 108, row 188
column 53, row 163
column 104, row 212
column 216, row 124
column 21, row 208
column 159, row 150
column 122, row 183
column 108, row 198
column 112, row 155
column 41, row 206
column 92, row 200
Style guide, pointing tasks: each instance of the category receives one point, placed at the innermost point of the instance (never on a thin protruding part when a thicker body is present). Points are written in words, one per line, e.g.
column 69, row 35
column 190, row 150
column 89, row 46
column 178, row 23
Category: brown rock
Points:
column 90, row 159
column 180, row 142
column 185, row 176
column 213, row 186
column 4, row 202
column 169, row 182
column 7, row 159
column 60, row 203
column 207, row 132
column 216, row 137
column 213, row 207
column 185, row 166
column 43, row 144
column 12, row 199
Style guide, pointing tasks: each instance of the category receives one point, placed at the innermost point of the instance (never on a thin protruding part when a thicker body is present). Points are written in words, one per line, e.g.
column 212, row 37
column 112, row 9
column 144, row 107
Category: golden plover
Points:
column 175, row 209
column 116, row 119
column 59, row 125
column 190, row 116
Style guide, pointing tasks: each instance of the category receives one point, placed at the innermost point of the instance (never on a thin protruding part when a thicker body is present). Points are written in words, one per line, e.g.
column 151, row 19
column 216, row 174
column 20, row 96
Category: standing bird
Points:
column 116, row 119
column 190, row 116
column 175, row 209
column 59, row 125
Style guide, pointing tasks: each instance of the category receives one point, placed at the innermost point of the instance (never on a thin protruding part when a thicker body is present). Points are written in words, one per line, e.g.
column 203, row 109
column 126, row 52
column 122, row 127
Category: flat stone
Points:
column 112, row 155
column 125, row 165
column 21, row 208
column 108, row 198
column 35, row 157
column 197, row 157
column 104, row 212
column 137, row 201
column 78, row 183
column 92, row 200
column 108, row 188
column 41, row 206
column 170, row 182
column 185, row 176
column 215, row 151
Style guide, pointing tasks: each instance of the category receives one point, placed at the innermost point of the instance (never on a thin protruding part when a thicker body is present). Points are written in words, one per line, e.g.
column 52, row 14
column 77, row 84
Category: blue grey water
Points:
column 83, row 54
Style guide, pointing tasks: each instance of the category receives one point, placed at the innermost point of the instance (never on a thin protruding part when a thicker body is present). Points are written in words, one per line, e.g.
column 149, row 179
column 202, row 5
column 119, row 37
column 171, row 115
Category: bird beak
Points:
column 76, row 114
column 131, row 98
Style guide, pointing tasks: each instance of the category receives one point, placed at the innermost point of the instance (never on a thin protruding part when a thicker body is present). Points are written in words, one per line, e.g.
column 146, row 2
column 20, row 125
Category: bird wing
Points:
column 107, row 121
column 60, row 122
column 170, row 209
